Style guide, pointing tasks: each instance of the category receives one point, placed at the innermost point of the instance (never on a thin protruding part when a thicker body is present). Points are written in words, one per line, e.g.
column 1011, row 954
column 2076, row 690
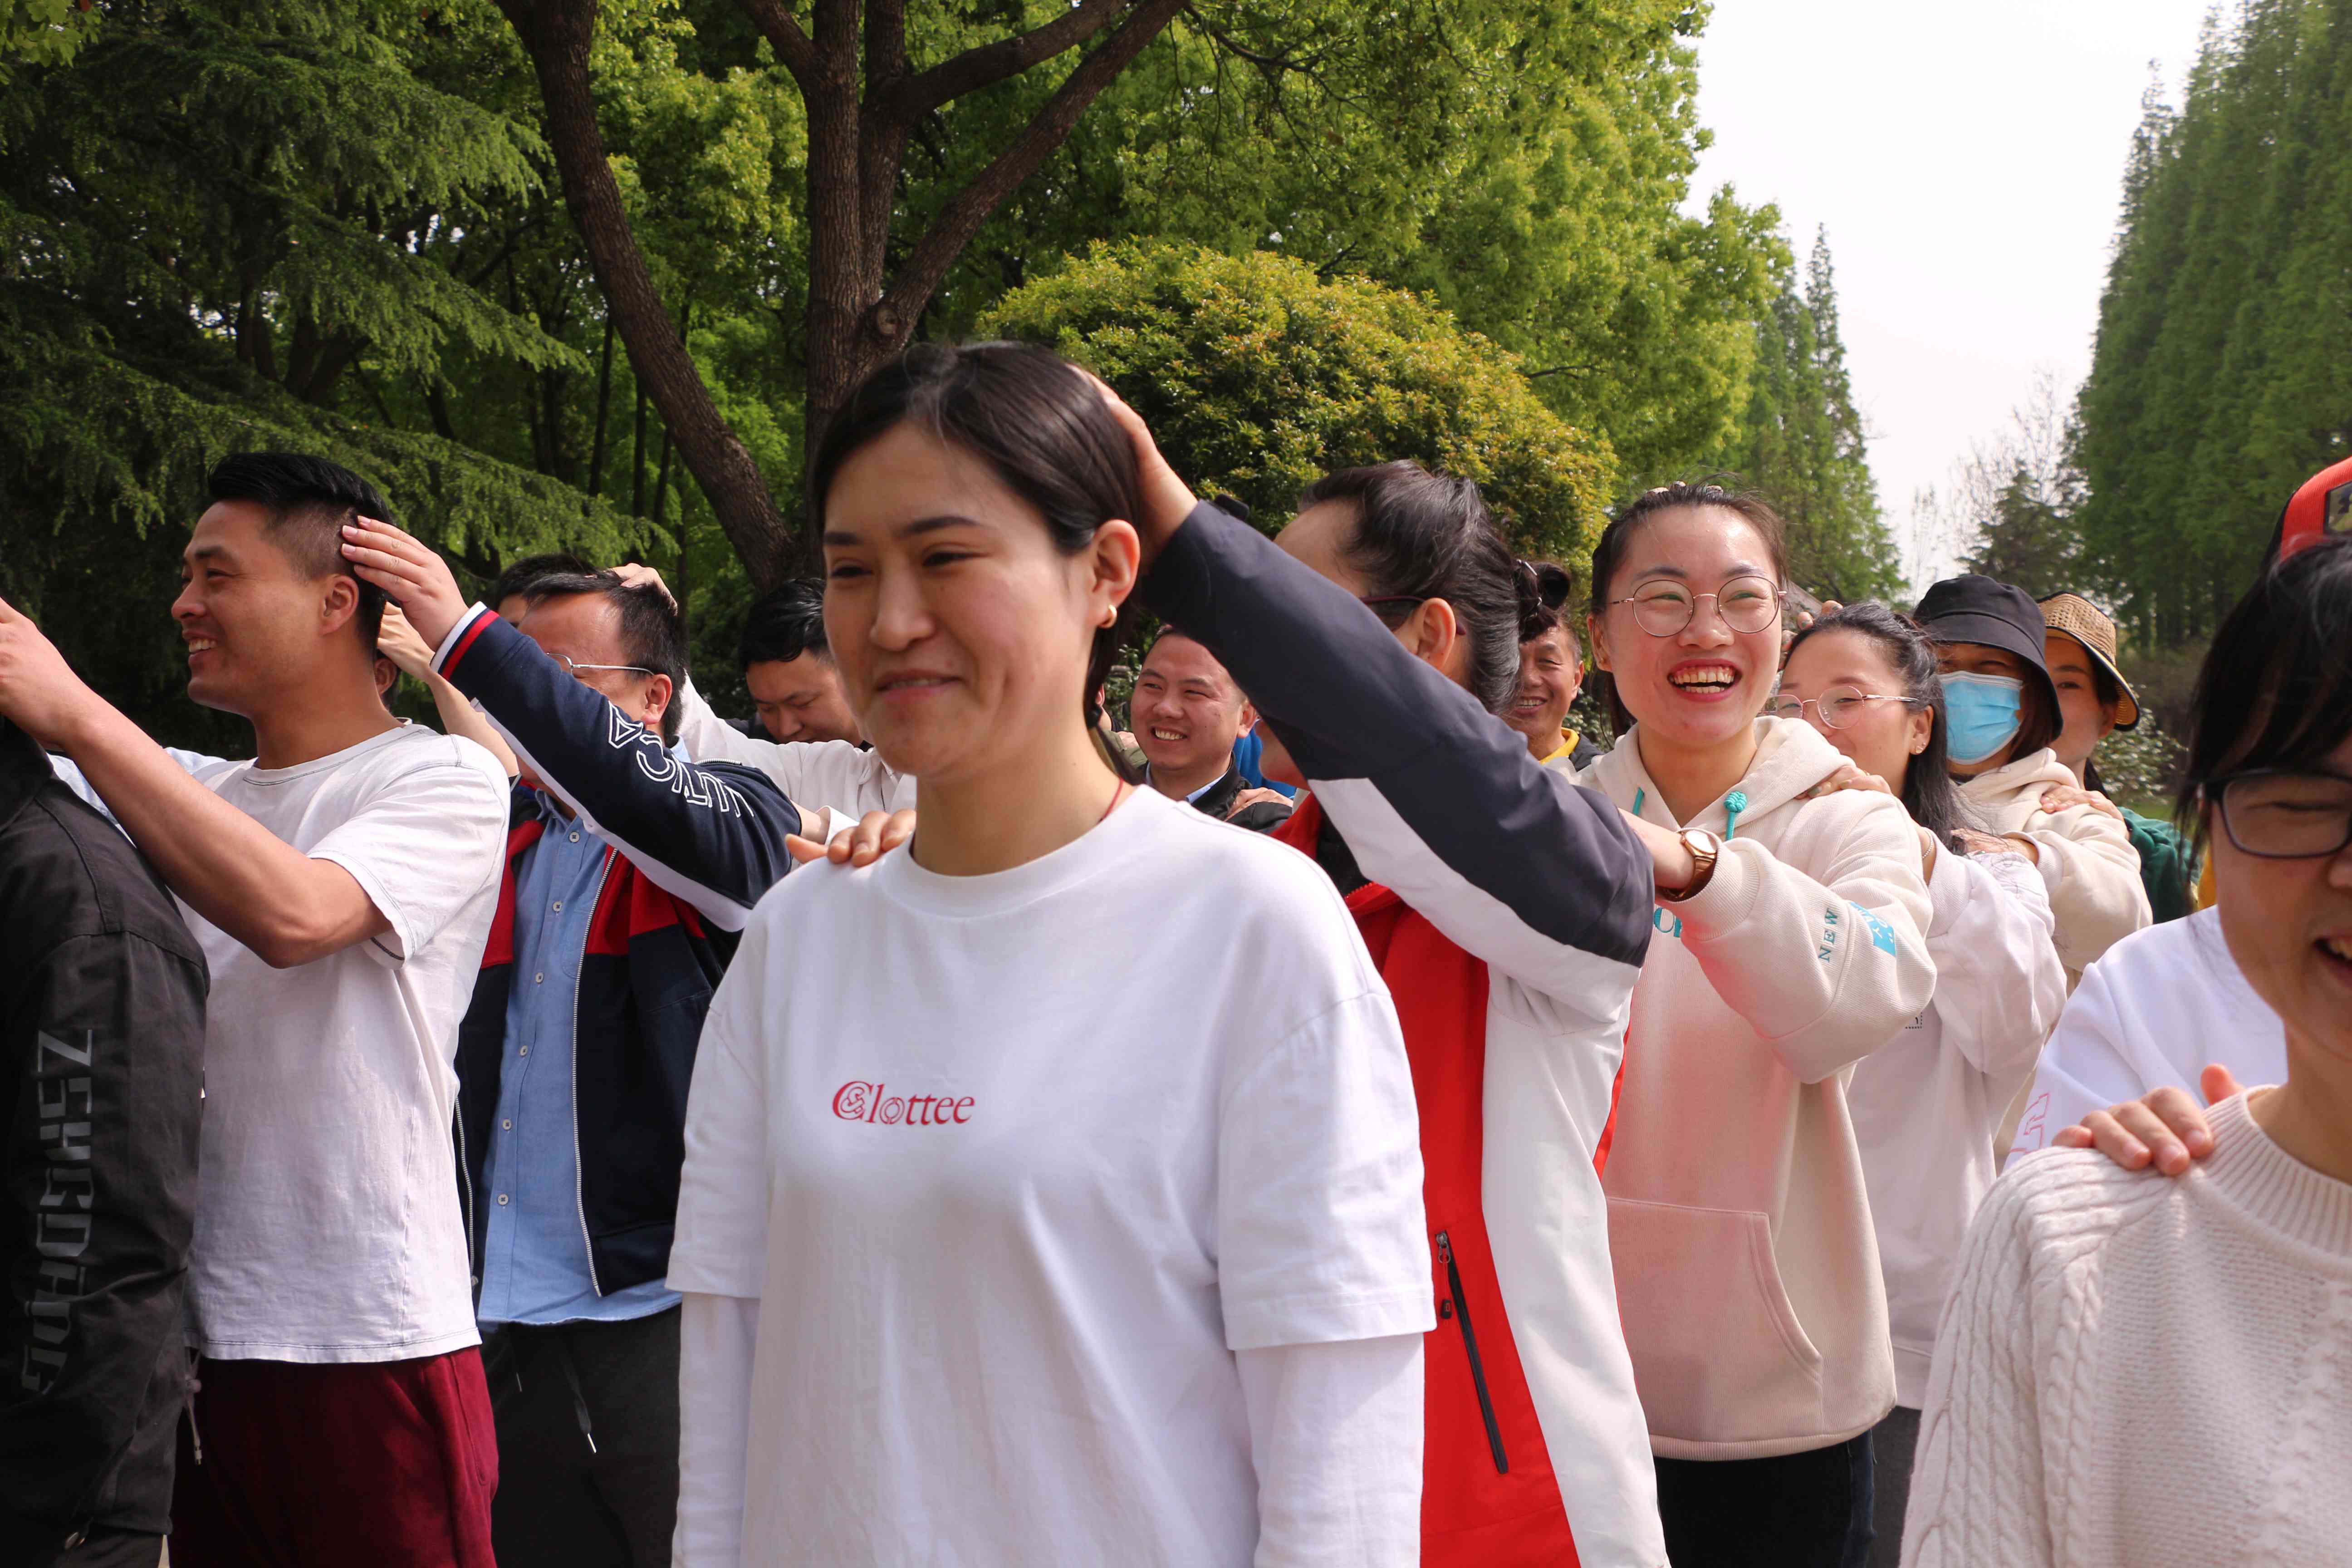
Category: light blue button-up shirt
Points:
column 535, row 1253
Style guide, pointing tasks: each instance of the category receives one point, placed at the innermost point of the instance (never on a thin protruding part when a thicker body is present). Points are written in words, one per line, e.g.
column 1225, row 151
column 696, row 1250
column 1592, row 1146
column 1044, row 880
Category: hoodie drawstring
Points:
column 1732, row 804
column 1639, row 796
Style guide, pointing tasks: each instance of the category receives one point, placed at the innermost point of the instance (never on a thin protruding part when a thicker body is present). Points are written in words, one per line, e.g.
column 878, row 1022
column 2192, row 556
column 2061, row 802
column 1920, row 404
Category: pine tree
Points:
column 1803, row 445
column 2222, row 376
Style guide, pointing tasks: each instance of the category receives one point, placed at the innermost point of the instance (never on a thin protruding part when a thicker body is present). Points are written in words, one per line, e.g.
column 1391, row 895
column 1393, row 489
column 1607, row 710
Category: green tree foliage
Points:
column 1524, row 166
column 1801, row 444
column 2223, row 374
column 338, row 225
column 261, row 222
column 1258, row 377
column 2029, row 539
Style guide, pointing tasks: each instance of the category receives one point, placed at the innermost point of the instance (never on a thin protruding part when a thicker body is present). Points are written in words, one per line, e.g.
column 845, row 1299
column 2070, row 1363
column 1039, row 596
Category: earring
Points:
column 1110, row 618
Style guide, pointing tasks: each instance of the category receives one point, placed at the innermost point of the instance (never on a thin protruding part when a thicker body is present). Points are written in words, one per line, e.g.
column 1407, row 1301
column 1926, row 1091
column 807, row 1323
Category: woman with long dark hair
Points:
column 1747, row 1266
column 1928, row 1105
column 1052, row 1188
column 1378, row 637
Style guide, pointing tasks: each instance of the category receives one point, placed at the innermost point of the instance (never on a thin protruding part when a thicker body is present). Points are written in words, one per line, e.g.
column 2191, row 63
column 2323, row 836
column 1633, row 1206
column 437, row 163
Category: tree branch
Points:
column 974, row 68
column 927, row 265
column 556, row 34
column 783, row 35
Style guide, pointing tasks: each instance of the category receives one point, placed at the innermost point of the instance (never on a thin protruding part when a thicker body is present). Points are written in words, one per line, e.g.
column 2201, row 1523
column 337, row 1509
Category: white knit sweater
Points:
column 2135, row 1370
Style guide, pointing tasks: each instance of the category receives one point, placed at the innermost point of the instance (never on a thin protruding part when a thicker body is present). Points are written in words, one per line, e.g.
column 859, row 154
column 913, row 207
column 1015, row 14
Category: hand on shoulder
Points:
column 2165, row 1128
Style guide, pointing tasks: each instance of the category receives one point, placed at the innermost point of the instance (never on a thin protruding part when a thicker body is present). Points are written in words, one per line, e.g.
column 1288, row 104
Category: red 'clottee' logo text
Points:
column 867, row 1102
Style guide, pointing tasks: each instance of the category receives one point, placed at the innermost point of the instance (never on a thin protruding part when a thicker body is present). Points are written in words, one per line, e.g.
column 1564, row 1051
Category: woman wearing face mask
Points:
column 1508, row 911
column 1551, row 672
column 2093, row 702
column 1927, row 1105
column 1747, row 1270
column 2002, row 717
column 2138, row 1369
column 1051, row 1187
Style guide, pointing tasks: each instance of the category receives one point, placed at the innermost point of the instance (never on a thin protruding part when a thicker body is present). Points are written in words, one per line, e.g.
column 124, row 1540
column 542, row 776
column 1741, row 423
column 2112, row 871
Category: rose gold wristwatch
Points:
column 1705, row 848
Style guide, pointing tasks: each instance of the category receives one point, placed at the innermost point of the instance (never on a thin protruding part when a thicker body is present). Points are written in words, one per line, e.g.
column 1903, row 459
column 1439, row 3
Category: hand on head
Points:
column 1167, row 499
column 411, row 574
column 636, row 574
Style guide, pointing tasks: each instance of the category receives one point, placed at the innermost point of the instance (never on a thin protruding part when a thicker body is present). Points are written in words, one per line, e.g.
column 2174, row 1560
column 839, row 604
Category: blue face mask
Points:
column 1982, row 713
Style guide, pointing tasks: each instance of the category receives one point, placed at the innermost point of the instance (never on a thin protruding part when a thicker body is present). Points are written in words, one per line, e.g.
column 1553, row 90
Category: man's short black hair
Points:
column 652, row 634
column 308, row 501
column 785, row 623
column 522, row 577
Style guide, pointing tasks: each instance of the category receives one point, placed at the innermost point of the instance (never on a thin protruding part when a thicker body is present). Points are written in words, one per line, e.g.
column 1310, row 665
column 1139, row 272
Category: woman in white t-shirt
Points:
column 1927, row 1104
column 1052, row 1190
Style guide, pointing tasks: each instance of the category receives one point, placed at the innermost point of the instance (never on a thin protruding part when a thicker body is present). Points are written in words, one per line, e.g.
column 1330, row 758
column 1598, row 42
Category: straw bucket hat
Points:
column 2087, row 624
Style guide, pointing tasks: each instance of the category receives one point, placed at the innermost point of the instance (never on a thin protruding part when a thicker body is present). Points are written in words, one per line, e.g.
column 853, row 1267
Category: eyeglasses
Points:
column 574, row 670
column 1380, row 602
column 2277, row 814
column 1746, row 605
column 1839, row 706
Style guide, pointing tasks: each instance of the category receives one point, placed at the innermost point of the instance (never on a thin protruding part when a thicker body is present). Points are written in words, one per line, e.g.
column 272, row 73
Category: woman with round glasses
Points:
column 1748, row 1276
column 2134, row 1369
column 1928, row 1105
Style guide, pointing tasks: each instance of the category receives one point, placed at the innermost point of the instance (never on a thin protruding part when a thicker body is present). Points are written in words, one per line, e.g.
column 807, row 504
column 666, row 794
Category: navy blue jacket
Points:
column 696, row 849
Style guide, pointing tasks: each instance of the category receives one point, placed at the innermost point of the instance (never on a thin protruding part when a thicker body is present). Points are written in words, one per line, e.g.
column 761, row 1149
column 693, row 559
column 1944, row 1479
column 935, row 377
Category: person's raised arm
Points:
column 711, row 835
column 398, row 641
column 1437, row 798
column 288, row 908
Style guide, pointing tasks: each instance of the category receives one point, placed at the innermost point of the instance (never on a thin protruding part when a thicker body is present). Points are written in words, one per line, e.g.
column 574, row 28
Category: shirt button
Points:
column 575, row 838
column 524, row 1052
column 559, row 906
column 503, row 1200
column 507, row 1124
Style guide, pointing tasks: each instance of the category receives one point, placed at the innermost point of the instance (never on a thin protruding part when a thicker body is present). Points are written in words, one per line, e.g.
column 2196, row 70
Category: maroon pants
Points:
column 380, row 1463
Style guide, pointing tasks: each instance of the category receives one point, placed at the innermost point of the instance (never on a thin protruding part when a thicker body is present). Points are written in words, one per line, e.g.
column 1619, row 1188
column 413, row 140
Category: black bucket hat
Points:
column 1984, row 610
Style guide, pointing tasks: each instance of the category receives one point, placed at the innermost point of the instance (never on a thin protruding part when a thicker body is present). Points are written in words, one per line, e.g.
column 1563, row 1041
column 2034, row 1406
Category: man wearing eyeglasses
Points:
column 629, row 870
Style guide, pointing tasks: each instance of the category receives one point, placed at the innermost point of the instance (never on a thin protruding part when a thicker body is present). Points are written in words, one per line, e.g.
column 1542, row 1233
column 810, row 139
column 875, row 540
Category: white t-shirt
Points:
column 1016, row 1163
column 2163, row 1005
column 327, row 1220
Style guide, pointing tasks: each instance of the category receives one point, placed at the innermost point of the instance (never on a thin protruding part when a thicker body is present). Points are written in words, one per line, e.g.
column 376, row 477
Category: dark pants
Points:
column 1894, row 1444
column 384, row 1464
column 1797, row 1511
column 587, row 1418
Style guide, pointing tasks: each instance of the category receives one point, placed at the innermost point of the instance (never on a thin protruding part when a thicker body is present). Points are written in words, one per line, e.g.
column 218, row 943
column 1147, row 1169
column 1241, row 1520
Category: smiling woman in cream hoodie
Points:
column 1748, row 1274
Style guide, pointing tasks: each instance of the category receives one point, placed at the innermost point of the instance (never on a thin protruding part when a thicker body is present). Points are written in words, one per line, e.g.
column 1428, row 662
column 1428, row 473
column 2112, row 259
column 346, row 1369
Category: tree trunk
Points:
column 604, row 408
column 557, row 34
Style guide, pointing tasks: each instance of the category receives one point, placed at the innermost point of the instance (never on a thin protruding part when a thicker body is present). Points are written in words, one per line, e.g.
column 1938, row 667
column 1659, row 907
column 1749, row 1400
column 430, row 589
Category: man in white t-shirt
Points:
column 341, row 886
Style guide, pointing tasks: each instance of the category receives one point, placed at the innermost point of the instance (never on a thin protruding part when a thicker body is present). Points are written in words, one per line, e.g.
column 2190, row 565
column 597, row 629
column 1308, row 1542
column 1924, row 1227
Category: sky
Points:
column 1967, row 160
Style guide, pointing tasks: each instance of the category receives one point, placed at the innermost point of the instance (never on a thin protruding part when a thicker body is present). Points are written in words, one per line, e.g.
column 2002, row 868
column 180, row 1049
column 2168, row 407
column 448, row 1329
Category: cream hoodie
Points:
column 1748, row 1274
column 2087, row 862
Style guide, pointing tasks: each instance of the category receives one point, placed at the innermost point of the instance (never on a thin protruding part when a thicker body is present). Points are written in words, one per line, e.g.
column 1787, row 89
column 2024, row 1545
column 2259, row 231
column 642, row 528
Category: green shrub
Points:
column 1257, row 377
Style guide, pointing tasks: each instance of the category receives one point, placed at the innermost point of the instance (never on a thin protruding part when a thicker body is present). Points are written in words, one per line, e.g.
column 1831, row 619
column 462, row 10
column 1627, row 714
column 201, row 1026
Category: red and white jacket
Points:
column 1509, row 912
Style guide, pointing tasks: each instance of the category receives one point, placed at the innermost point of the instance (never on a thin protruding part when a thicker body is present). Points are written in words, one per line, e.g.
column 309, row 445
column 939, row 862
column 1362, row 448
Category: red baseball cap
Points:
column 2322, row 507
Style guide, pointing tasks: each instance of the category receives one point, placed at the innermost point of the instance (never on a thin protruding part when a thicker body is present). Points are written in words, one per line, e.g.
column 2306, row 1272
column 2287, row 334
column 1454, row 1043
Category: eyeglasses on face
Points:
column 2282, row 814
column 1838, row 707
column 1746, row 605
column 574, row 670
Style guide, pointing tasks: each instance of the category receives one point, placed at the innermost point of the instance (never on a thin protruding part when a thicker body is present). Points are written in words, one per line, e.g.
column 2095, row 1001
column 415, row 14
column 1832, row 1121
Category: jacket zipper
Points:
column 1470, row 1344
